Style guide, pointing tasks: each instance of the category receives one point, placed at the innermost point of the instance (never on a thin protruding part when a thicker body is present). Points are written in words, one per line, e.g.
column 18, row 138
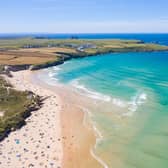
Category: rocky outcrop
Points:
column 46, row 65
column 15, row 68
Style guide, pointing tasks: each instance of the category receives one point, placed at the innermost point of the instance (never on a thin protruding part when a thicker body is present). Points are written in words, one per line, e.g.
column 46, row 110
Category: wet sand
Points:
column 79, row 140
column 78, row 136
column 55, row 136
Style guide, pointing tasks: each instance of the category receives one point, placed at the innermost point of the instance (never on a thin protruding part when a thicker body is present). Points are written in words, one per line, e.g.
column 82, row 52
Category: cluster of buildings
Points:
column 78, row 47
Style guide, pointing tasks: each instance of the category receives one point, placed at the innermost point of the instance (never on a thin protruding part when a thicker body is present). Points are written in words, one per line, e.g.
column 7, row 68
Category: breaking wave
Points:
column 130, row 106
column 90, row 93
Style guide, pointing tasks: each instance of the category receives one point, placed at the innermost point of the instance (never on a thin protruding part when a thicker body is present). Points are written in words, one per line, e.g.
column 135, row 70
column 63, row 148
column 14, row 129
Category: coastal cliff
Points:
column 35, row 54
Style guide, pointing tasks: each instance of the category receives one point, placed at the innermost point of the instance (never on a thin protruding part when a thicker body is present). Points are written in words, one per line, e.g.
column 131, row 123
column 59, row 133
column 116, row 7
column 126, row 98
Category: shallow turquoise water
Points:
column 132, row 113
column 120, row 75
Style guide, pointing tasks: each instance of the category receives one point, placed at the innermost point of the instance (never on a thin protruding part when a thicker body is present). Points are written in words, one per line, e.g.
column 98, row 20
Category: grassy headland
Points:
column 35, row 53
column 41, row 53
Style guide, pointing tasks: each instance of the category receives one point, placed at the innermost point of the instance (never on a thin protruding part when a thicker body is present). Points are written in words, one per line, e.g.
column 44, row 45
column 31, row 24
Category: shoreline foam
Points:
column 73, row 118
column 115, row 101
column 98, row 135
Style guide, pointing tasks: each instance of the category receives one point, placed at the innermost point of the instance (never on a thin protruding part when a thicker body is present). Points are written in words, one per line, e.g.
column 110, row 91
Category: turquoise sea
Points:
column 130, row 113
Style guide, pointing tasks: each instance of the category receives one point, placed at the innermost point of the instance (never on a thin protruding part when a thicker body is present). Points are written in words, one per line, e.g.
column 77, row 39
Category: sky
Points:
column 83, row 16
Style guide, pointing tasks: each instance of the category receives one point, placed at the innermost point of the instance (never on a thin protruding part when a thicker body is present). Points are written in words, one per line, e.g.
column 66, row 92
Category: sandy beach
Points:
column 54, row 136
column 78, row 136
column 37, row 144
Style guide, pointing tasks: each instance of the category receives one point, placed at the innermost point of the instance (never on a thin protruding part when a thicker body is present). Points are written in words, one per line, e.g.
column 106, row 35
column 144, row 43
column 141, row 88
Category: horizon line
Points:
column 83, row 33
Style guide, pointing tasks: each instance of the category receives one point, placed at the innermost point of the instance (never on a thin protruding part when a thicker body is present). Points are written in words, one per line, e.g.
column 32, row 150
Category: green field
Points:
column 42, row 53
